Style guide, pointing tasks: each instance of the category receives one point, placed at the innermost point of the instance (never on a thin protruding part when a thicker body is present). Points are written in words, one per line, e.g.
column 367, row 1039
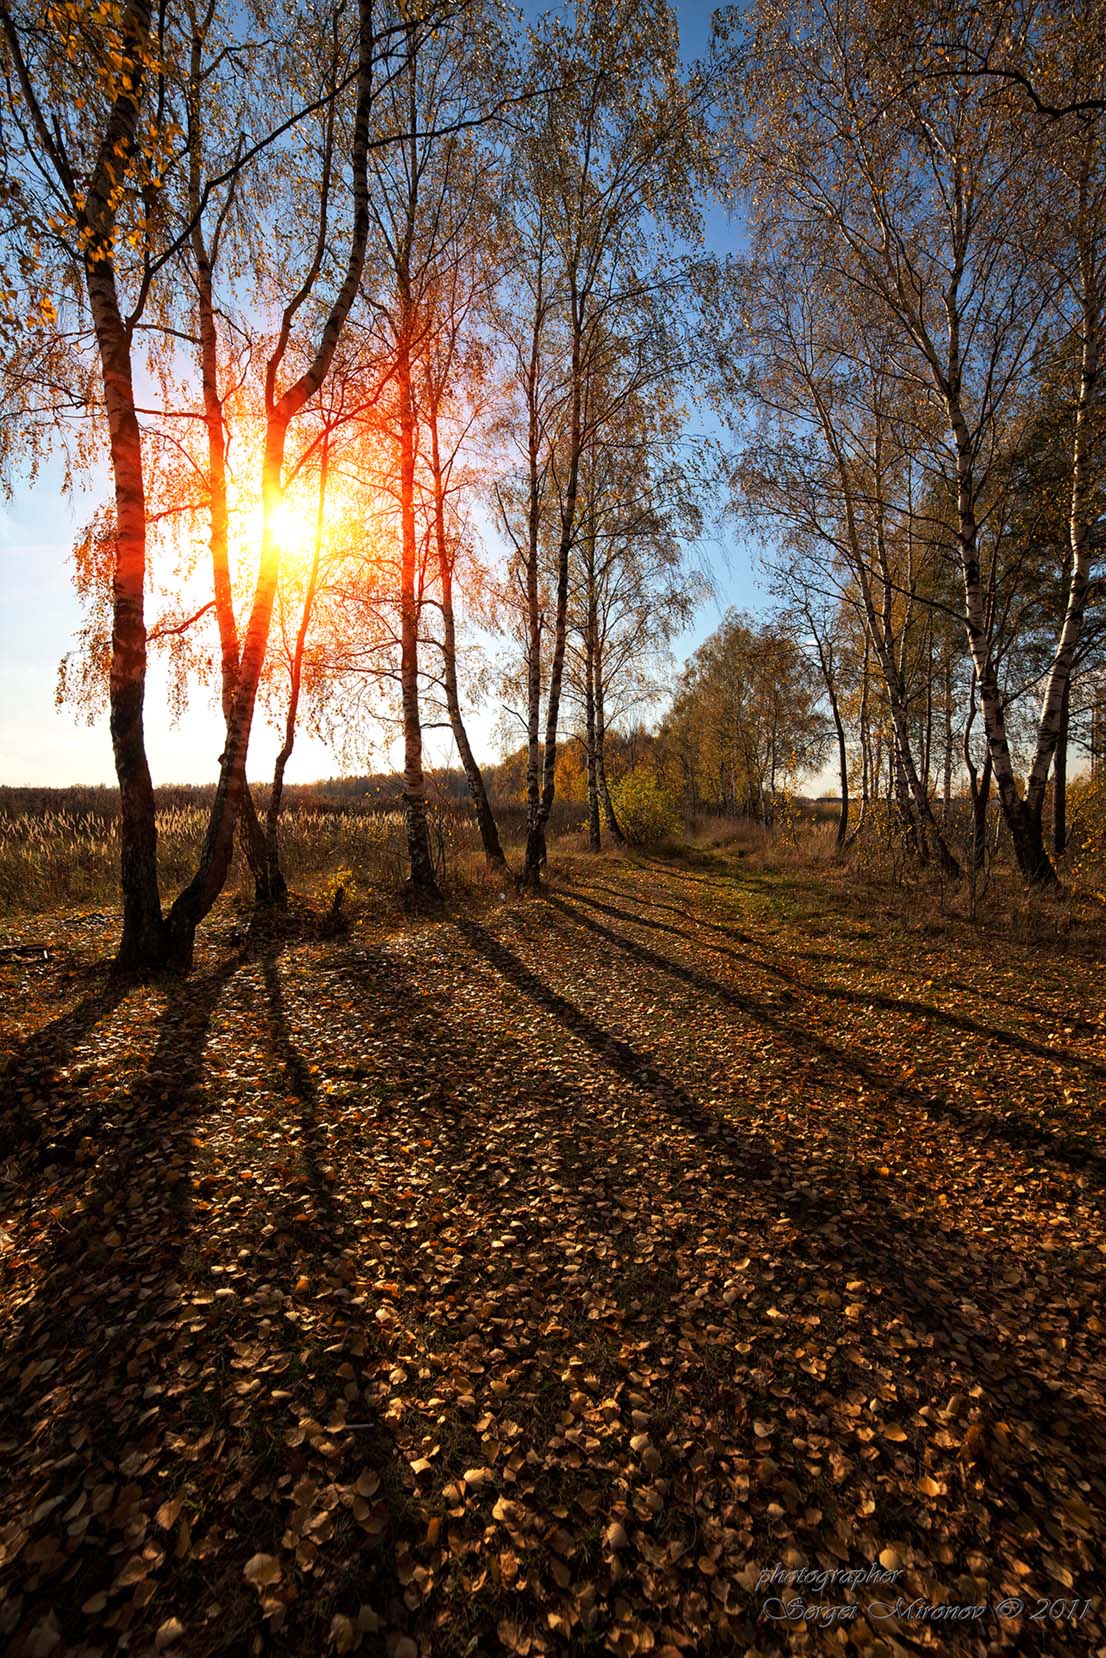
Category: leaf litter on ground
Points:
column 531, row 1280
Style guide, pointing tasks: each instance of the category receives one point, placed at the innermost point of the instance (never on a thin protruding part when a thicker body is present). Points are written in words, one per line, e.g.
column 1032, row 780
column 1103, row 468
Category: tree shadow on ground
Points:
column 33, row 1066
column 153, row 1307
column 847, row 1063
column 728, row 930
column 851, row 1228
column 867, row 997
column 560, row 1212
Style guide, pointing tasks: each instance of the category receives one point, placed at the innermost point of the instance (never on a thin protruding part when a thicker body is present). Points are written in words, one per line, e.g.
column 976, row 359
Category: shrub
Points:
column 1086, row 856
column 645, row 807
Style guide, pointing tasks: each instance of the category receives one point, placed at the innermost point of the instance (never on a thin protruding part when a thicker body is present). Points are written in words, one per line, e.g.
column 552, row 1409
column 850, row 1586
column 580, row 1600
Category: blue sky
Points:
column 41, row 744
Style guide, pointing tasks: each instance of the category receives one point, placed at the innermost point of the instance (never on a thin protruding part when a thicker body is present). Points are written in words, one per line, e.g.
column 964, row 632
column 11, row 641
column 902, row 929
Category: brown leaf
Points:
column 341, row 1632
column 262, row 1570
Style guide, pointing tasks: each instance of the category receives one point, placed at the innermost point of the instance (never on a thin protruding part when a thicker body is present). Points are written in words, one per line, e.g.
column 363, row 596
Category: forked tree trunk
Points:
column 200, row 894
column 1023, row 817
column 250, row 834
column 204, row 888
column 920, row 822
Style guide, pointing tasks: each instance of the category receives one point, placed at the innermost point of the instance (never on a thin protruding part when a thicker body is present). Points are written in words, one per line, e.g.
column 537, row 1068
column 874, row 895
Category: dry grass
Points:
column 798, row 863
column 57, row 857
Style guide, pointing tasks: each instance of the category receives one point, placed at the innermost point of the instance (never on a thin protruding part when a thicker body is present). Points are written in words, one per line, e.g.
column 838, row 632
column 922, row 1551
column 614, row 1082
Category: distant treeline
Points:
column 446, row 789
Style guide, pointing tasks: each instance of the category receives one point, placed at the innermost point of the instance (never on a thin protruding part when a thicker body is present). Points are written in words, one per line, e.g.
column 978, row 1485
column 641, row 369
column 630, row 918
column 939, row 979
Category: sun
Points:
column 293, row 531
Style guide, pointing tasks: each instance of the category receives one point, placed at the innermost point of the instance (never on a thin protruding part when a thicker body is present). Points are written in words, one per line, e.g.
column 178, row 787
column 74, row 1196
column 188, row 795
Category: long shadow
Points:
column 677, row 868
column 1085, row 1027
column 101, row 1325
column 326, row 1245
column 835, row 958
column 35, row 1061
column 109, row 1325
column 1022, row 1135
column 575, row 884
column 857, row 1221
column 678, row 932
column 866, row 998
column 849, row 1226
column 326, row 1229
column 727, row 930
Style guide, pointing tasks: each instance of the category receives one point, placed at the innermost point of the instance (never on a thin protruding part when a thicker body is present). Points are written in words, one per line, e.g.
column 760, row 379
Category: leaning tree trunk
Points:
column 609, row 812
column 981, row 796
column 532, row 874
column 590, row 737
column 946, row 770
column 535, row 826
column 534, row 857
column 829, row 679
column 902, row 794
column 142, row 945
column 843, row 770
column 1053, row 727
column 1060, row 780
column 421, row 887
column 532, row 870
column 485, row 817
column 865, row 745
column 272, row 888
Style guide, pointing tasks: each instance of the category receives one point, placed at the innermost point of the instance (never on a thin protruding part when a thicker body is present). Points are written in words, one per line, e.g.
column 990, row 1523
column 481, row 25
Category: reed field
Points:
column 59, row 849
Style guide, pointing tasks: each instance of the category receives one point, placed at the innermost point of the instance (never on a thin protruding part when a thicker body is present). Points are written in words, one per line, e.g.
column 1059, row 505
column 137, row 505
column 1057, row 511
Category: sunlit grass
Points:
column 56, row 859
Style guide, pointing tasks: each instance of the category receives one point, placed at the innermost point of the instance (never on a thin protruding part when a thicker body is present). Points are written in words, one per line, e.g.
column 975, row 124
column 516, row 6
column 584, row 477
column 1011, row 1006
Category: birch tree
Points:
column 88, row 139
column 607, row 151
column 921, row 190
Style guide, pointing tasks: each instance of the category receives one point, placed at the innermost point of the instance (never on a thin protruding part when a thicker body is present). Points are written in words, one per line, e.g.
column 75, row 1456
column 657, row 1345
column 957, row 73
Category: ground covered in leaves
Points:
column 556, row 1277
